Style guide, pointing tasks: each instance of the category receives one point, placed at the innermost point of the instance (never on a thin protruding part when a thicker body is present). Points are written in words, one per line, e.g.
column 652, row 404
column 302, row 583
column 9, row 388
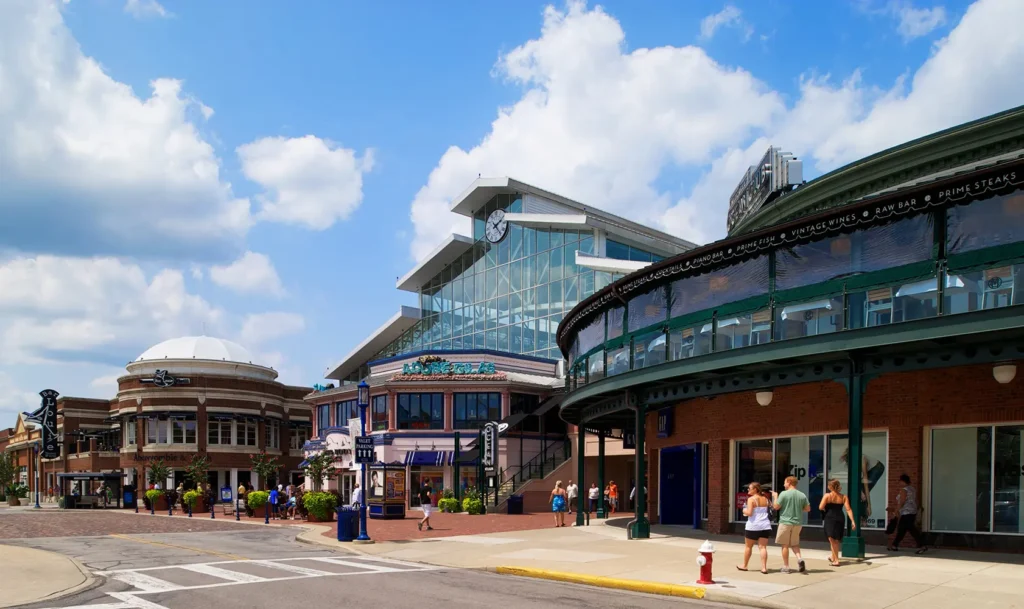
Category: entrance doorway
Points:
column 681, row 484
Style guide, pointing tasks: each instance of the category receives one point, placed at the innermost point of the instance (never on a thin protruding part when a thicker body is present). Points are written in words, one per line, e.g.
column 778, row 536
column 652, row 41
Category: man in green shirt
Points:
column 791, row 505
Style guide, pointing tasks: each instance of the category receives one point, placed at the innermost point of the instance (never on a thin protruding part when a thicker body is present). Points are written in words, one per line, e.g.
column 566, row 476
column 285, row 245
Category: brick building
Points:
column 858, row 327
column 186, row 396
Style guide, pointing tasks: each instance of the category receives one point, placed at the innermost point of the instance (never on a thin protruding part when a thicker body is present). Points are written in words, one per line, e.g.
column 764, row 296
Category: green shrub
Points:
column 190, row 498
column 447, row 494
column 257, row 499
column 450, row 505
column 21, row 491
column 471, row 493
column 60, row 502
column 320, row 504
column 472, row 506
column 152, row 496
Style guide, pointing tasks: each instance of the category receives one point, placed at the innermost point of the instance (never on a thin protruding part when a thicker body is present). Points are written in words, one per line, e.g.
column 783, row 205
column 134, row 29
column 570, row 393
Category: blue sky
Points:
column 264, row 173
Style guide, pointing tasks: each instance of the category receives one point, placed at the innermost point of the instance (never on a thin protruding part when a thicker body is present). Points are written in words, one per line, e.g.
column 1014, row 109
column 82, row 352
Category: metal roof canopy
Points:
column 371, row 345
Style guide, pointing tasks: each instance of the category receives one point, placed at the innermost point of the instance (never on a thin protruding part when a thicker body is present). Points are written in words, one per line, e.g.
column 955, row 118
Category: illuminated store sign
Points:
column 444, row 367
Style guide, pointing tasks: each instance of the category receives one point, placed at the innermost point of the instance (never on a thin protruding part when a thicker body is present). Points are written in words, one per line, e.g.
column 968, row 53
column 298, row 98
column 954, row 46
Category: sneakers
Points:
column 802, row 567
column 430, row 528
column 419, row 525
column 785, row 570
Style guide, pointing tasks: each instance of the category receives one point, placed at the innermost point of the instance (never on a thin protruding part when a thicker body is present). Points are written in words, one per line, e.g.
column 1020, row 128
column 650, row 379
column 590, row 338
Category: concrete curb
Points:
column 91, row 581
column 313, row 535
column 631, row 585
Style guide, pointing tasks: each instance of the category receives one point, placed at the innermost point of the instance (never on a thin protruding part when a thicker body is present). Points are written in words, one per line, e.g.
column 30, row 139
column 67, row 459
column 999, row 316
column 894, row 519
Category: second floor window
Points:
column 345, row 412
column 299, row 437
column 218, row 432
column 183, row 431
column 273, row 434
column 156, row 431
column 323, row 417
column 247, row 433
column 379, row 409
column 421, row 411
column 129, row 432
column 472, row 410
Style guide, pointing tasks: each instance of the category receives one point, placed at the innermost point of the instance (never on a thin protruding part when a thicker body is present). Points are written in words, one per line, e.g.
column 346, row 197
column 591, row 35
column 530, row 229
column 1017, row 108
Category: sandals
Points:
column 738, row 568
column 835, row 564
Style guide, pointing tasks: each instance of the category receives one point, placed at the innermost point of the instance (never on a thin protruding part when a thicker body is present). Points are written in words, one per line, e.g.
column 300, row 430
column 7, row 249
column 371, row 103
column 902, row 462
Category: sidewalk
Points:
column 31, row 576
column 936, row 580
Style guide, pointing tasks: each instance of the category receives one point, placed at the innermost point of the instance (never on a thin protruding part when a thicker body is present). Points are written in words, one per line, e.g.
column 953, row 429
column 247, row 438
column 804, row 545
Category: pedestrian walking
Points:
column 593, row 495
column 558, row 504
column 906, row 510
column 632, row 493
column 791, row 505
column 832, row 505
column 571, row 492
column 273, row 502
column 613, row 496
column 425, row 502
column 758, row 528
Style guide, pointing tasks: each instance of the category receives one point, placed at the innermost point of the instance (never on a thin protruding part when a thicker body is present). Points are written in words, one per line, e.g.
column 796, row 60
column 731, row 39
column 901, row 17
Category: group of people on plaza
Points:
column 284, row 503
column 565, row 499
column 790, row 506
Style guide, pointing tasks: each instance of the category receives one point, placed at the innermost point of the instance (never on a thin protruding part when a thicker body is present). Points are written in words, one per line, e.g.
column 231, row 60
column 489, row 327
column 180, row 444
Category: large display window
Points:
column 813, row 460
column 976, row 479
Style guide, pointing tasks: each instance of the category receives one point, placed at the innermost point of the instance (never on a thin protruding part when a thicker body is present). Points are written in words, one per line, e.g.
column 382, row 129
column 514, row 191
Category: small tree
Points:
column 197, row 469
column 7, row 472
column 158, row 472
column 264, row 465
column 320, row 468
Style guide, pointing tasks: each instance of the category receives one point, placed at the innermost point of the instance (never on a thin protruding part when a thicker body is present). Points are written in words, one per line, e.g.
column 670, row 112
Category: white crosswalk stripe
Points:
column 231, row 576
column 270, row 564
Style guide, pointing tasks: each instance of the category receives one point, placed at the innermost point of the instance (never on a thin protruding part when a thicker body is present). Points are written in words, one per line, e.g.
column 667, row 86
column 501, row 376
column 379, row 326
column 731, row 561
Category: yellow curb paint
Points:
column 171, row 545
column 606, row 582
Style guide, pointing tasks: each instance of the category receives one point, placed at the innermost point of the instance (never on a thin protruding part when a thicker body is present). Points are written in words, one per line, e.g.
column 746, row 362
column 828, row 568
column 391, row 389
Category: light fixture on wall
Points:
column 764, row 398
column 202, row 400
column 138, row 401
column 1004, row 373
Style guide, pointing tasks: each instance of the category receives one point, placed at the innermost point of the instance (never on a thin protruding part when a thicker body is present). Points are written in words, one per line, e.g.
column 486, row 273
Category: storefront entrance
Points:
column 681, row 485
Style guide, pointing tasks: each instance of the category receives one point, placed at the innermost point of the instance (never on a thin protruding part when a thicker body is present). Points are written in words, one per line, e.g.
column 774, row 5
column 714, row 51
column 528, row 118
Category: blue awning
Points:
column 305, row 462
column 426, row 458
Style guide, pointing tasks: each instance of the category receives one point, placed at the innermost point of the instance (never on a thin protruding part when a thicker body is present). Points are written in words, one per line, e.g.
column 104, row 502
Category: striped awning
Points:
column 426, row 458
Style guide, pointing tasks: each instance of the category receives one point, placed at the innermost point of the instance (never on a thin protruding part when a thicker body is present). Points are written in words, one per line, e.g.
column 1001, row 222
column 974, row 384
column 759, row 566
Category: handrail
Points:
column 550, row 453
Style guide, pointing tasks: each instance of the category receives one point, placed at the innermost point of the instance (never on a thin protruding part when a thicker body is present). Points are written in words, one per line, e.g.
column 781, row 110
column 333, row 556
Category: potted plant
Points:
column 192, row 499
column 264, row 466
column 471, row 503
column 448, row 502
column 157, row 474
column 320, row 506
column 197, row 471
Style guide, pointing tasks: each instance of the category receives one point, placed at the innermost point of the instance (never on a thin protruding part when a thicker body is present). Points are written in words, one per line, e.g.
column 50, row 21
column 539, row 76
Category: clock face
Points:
column 496, row 226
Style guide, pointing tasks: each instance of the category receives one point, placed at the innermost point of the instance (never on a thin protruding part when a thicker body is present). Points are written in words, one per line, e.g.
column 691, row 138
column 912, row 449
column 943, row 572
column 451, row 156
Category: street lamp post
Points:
column 363, row 401
column 39, row 462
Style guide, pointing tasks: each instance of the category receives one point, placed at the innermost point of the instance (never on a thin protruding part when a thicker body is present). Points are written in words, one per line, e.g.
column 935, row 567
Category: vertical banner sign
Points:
column 665, row 422
column 490, row 447
column 629, row 440
column 46, row 417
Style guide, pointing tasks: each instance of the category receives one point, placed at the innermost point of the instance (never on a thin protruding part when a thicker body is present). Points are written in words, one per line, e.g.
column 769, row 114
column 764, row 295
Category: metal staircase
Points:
column 515, row 478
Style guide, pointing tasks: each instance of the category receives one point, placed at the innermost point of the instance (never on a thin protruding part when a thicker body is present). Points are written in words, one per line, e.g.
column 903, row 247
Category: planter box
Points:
column 311, row 518
column 13, row 502
column 201, row 505
column 161, row 504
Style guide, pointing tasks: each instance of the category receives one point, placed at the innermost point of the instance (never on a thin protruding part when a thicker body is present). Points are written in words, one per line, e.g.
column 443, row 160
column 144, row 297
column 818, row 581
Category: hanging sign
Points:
column 629, row 440
column 489, row 453
column 46, row 417
column 364, row 450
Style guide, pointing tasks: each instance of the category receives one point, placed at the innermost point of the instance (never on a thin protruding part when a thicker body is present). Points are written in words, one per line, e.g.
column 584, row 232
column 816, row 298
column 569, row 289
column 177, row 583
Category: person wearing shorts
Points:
column 428, row 507
column 758, row 529
column 791, row 505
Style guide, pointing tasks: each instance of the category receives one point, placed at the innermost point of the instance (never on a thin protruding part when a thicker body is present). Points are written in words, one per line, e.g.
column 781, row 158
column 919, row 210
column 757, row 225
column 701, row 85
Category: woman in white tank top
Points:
column 758, row 529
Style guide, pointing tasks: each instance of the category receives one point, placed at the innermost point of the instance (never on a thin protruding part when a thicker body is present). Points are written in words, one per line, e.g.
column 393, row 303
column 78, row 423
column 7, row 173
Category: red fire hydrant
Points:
column 705, row 559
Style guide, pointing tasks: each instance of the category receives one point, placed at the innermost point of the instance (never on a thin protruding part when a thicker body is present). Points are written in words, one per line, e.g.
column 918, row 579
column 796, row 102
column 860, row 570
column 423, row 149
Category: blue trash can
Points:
column 515, row 504
column 348, row 523
column 129, row 498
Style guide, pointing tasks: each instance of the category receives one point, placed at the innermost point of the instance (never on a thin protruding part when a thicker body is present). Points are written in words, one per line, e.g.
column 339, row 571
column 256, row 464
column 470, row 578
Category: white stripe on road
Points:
column 233, row 576
column 135, row 602
column 402, row 563
column 360, row 565
column 144, row 582
column 291, row 568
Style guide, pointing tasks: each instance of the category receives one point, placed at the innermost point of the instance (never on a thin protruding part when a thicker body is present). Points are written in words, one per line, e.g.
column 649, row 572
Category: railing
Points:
column 555, row 454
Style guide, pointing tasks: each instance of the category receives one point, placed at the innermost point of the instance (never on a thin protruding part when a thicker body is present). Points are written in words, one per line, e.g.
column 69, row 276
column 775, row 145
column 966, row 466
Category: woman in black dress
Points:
column 833, row 504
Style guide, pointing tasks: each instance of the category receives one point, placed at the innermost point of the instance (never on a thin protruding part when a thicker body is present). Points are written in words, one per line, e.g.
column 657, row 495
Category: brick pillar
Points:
column 392, row 411
column 505, row 404
column 449, row 414
column 720, row 501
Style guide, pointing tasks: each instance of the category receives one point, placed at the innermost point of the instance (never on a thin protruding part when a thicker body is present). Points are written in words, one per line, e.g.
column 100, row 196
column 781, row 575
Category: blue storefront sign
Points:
column 225, row 494
column 665, row 423
column 430, row 368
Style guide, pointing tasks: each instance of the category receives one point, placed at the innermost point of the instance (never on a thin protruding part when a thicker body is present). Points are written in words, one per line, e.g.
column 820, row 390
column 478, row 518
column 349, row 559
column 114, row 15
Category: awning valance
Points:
column 426, row 458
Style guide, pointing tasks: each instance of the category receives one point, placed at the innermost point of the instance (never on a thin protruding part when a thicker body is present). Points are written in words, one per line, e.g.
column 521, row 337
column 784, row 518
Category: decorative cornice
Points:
column 881, row 209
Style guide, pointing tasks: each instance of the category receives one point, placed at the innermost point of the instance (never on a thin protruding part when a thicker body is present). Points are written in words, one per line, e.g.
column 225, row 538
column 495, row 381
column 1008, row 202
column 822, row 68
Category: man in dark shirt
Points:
column 428, row 507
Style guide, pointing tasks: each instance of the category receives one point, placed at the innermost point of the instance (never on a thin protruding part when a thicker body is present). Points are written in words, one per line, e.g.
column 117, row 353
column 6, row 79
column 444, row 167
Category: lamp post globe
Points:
column 363, row 401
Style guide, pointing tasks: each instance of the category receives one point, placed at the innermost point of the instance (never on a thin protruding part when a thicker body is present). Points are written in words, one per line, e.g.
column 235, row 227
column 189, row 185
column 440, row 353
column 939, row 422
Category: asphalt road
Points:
column 268, row 568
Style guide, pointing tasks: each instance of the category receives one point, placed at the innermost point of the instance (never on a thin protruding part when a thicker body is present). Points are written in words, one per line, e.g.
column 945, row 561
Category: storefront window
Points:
column 595, row 367
column 813, row 460
column 737, row 331
column 617, row 361
column 323, row 417
column 423, row 476
column 990, row 288
column 379, row 413
column 649, row 350
column 689, row 342
column 473, row 410
column 976, row 479
column 811, row 318
column 420, row 411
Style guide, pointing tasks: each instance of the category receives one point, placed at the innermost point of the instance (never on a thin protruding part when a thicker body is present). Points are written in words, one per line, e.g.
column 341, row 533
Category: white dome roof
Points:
column 198, row 347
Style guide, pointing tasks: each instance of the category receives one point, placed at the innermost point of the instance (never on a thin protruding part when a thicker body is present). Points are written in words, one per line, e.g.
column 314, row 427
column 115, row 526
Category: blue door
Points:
column 680, row 485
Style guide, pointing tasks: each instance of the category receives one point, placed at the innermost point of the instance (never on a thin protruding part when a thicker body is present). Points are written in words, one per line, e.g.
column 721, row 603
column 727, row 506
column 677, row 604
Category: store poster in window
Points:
column 873, row 487
column 376, row 484
column 395, row 484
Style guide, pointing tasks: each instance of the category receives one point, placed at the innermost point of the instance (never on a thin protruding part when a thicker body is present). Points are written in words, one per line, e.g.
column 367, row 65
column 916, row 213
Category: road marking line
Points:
column 291, row 568
column 361, row 565
column 395, row 561
column 216, row 562
column 171, row 545
column 233, row 576
column 135, row 602
column 145, row 582
column 102, row 606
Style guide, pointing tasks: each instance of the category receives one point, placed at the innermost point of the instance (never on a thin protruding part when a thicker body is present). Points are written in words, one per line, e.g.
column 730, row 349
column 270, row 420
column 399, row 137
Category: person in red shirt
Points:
column 613, row 496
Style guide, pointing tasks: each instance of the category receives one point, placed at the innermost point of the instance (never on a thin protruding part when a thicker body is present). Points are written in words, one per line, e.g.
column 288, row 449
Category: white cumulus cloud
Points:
column 261, row 328
column 917, row 22
column 730, row 16
column 307, row 181
column 145, row 8
column 252, row 273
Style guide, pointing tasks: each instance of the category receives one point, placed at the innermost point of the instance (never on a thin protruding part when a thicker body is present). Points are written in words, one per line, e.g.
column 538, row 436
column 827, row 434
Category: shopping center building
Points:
column 185, row 396
column 490, row 302
column 859, row 326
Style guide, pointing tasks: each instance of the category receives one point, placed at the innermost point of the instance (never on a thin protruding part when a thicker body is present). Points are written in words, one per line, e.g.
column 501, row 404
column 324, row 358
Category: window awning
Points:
column 435, row 458
column 928, row 286
column 789, row 311
column 467, row 457
column 304, row 464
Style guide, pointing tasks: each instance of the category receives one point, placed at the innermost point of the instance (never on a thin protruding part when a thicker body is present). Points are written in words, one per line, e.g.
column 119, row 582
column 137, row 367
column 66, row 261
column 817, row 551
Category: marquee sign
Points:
column 46, row 417
column 442, row 367
column 489, row 454
column 163, row 378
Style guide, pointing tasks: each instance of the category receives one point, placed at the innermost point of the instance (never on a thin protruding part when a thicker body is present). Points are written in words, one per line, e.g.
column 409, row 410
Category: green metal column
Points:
column 600, row 474
column 458, row 468
column 581, row 453
column 641, row 528
column 853, row 543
